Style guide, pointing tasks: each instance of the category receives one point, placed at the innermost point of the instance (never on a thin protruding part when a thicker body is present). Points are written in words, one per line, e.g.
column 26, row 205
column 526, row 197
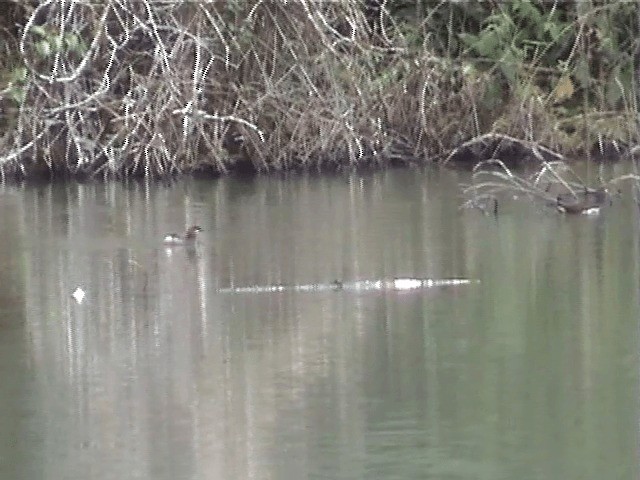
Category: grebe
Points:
column 188, row 239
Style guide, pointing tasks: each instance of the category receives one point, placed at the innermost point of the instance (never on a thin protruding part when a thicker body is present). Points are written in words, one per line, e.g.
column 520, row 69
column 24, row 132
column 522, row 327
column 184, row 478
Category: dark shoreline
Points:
column 234, row 88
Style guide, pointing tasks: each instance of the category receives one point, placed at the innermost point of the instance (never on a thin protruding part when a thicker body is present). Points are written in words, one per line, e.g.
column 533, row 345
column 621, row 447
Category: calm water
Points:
column 530, row 374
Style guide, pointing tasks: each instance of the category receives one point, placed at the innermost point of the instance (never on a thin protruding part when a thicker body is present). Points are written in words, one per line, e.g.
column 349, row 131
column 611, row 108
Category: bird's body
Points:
column 585, row 203
column 189, row 237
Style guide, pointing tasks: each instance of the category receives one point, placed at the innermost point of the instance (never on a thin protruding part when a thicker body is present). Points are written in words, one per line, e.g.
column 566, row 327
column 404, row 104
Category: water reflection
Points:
column 160, row 374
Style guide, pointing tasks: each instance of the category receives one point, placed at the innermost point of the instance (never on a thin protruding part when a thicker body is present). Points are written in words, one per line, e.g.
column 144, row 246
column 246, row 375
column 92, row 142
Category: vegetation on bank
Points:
column 155, row 88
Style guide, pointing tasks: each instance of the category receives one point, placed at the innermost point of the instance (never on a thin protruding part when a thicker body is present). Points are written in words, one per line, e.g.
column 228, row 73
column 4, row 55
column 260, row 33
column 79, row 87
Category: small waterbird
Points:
column 586, row 203
column 189, row 237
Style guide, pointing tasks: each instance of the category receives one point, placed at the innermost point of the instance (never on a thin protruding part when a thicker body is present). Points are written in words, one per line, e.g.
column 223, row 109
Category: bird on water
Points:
column 586, row 203
column 189, row 237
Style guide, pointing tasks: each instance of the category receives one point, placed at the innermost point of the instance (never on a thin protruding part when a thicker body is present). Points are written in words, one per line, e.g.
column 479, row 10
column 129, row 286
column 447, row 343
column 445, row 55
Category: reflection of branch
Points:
column 492, row 178
column 500, row 180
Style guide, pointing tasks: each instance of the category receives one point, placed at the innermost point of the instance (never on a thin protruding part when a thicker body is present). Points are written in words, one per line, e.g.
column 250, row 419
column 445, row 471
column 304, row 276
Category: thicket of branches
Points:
column 117, row 88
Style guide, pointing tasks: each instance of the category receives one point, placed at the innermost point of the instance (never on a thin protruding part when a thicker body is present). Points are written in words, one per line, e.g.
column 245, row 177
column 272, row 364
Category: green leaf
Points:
column 39, row 30
column 72, row 42
column 487, row 44
column 57, row 43
column 43, row 47
column 581, row 72
column 18, row 74
column 508, row 66
column 468, row 39
column 528, row 11
column 16, row 94
column 612, row 91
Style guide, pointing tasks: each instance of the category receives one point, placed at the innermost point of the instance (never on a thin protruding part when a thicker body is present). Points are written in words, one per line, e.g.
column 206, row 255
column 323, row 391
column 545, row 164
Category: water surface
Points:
column 531, row 373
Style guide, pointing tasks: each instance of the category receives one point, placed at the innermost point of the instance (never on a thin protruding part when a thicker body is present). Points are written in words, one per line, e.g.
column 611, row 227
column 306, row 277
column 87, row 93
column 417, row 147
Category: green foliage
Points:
column 47, row 43
column 516, row 35
column 17, row 78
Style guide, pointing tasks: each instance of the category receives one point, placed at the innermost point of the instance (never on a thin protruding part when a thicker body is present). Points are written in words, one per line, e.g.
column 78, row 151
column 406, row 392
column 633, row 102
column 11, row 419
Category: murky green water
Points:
column 530, row 374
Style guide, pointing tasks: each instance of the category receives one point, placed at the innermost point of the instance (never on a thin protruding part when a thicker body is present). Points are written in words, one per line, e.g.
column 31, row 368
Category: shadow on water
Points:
column 532, row 373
